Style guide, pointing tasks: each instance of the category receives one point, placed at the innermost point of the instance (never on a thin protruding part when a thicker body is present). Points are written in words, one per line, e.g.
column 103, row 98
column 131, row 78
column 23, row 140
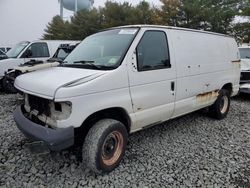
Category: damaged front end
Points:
column 46, row 112
column 37, row 120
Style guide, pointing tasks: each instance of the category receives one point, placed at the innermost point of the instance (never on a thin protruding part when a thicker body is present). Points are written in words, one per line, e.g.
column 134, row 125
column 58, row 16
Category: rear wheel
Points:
column 220, row 108
column 105, row 145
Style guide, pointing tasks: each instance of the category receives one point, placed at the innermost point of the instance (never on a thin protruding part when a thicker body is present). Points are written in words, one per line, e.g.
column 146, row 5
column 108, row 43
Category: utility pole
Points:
column 61, row 9
column 76, row 4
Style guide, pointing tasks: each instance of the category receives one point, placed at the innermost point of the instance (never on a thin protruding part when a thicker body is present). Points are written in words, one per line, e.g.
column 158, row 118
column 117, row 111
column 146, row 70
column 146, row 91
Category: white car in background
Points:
column 2, row 55
column 23, row 52
column 245, row 69
column 62, row 52
column 5, row 49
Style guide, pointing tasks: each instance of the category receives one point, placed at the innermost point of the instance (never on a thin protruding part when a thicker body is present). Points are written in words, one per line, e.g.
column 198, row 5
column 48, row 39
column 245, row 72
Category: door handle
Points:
column 172, row 86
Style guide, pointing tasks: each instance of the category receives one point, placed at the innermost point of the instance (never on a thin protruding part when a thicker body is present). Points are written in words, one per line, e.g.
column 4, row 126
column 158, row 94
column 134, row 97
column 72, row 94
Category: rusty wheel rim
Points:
column 112, row 148
column 224, row 104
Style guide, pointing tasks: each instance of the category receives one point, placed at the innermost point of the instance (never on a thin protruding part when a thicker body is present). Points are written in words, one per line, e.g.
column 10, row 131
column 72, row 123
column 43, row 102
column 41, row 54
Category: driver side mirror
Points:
column 27, row 54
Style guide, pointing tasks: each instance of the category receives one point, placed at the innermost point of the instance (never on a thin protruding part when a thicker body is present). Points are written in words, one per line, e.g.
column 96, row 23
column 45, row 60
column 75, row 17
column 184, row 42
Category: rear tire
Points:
column 105, row 145
column 220, row 108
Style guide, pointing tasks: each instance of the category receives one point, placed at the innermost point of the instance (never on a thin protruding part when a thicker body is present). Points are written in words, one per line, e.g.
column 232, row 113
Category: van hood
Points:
column 245, row 64
column 45, row 83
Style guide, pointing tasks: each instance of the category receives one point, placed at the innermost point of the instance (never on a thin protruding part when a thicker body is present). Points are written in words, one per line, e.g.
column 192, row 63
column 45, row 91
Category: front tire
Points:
column 105, row 145
column 8, row 84
column 220, row 108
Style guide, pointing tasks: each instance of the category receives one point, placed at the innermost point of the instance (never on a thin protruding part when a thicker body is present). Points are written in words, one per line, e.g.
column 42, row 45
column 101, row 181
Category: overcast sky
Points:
column 26, row 19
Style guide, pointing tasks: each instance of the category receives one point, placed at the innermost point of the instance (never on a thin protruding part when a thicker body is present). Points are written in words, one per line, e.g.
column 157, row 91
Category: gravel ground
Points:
column 191, row 151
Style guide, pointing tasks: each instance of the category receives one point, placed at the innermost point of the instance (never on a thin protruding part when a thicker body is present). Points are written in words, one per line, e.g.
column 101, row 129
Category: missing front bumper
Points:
column 56, row 139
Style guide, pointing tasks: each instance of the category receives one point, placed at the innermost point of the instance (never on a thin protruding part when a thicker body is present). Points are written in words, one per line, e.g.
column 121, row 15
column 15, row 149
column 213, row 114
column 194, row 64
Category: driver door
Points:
column 37, row 51
column 152, row 79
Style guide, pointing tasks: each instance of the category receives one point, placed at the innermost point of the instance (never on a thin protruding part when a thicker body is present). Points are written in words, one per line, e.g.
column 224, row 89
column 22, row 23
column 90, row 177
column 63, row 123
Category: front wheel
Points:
column 8, row 84
column 220, row 108
column 105, row 145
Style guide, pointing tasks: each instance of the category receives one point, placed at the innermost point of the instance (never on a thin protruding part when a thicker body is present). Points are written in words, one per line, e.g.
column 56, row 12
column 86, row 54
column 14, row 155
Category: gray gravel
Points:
column 191, row 151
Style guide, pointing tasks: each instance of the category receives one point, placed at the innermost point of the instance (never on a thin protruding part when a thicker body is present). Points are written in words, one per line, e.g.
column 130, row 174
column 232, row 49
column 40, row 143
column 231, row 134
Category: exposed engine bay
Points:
column 46, row 112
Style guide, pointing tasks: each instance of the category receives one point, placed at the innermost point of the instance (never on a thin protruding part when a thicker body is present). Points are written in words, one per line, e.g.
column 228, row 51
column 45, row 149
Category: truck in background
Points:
column 5, row 49
column 61, row 53
column 39, row 50
column 245, row 69
column 3, row 55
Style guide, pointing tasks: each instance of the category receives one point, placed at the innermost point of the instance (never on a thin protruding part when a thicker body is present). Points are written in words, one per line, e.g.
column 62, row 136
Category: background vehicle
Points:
column 5, row 49
column 3, row 55
column 245, row 69
column 23, row 52
column 61, row 53
column 123, row 80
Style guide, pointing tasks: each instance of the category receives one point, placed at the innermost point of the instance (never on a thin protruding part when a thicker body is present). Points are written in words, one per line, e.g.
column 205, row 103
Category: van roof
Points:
column 174, row 28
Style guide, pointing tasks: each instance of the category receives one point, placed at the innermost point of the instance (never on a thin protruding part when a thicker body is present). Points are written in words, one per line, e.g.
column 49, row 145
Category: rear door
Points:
column 152, row 78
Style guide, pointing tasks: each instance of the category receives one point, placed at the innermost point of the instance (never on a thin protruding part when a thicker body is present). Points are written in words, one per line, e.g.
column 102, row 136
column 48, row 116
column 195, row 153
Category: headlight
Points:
column 47, row 111
column 60, row 110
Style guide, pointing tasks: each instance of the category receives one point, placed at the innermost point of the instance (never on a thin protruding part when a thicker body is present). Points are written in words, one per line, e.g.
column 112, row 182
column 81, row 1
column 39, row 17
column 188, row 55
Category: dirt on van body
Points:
column 190, row 151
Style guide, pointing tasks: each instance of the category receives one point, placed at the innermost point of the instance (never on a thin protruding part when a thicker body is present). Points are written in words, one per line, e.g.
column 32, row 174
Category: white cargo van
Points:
column 25, row 51
column 125, row 79
column 245, row 69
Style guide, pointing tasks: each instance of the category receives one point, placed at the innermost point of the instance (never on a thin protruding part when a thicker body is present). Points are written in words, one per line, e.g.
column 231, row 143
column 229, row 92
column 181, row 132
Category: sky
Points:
column 22, row 20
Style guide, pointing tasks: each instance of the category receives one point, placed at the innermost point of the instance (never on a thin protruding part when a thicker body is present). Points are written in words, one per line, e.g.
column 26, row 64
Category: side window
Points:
column 62, row 54
column 153, row 51
column 37, row 50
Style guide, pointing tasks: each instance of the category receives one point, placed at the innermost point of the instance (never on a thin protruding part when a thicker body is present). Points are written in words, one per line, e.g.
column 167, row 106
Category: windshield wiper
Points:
column 88, row 63
column 84, row 62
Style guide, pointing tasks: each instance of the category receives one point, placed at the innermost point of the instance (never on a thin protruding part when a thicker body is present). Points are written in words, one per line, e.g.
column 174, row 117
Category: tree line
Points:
column 209, row 15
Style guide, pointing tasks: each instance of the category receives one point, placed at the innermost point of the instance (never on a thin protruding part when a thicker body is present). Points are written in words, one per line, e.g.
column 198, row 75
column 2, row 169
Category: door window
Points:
column 62, row 54
column 38, row 50
column 153, row 51
column 2, row 49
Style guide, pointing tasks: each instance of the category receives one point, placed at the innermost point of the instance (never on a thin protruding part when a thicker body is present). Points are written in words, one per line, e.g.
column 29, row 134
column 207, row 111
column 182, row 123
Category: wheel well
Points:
column 116, row 113
column 228, row 87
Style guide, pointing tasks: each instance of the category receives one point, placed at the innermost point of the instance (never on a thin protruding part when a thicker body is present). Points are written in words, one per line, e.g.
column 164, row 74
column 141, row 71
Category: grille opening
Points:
column 58, row 107
column 39, row 104
column 37, row 121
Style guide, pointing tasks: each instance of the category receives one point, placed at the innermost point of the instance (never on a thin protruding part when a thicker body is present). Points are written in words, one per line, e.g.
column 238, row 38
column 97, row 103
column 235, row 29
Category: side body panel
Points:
column 204, row 64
